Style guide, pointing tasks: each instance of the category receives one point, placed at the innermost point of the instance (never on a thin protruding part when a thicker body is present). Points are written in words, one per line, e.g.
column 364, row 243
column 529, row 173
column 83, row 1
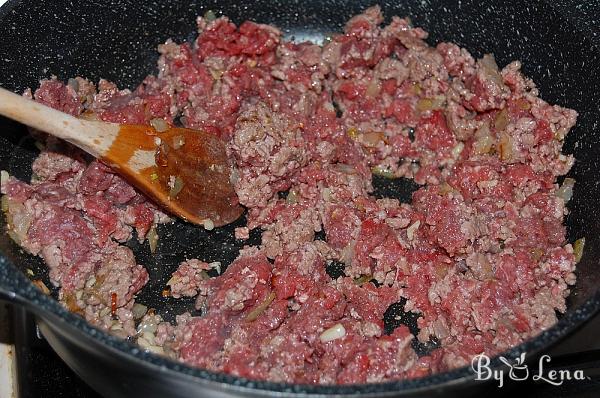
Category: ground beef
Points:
column 479, row 257
column 72, row 215
column 187, row 279
column 268, row 148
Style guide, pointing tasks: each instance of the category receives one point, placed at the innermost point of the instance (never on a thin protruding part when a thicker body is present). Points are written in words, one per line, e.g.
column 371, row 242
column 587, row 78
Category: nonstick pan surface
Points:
column 117, row 40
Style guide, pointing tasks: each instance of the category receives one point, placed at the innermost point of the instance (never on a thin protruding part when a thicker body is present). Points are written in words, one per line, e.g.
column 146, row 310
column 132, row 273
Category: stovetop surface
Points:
column 41, row 373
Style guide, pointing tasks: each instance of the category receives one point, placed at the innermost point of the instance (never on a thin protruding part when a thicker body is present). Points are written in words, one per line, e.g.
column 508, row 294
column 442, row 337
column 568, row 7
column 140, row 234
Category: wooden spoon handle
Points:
column 199, row 162
column 93, row 137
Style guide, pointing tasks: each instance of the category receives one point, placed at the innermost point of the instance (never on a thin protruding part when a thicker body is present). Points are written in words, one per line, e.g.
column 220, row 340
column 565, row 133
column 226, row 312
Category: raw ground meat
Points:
column 479, row 256
column 188, row 278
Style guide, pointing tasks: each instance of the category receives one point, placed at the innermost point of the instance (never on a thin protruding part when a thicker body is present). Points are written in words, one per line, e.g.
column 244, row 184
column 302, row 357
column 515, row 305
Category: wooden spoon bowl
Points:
column 185, row 171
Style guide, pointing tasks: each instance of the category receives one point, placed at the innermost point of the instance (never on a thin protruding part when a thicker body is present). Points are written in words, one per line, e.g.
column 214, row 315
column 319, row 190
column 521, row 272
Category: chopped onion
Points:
column 352, row 133
column 382, row 171
column 484, row 145
column 560, row 133
column 410, row 231
column 138, row 310
column 490, row 68
column 4, row 176
column 174, row 279
column 216, row 73
column 20, row 226
column 345, row 168
column 484, row 140
column 440, row 330
column 142, row 342
column 210, row 16
column 428, row 104
column 4, row 202
column 178, row 141
column 441, row 270
column 159, row 125
column 116, row 326
column 363, row 279
column 149, row 337
column 578, row 249
column 501, row 120
column 424, row 104
column 505, row 147
column 152, row 237
column 372, row 138
column 209, row 225
column 155, row 349
column 348, row 253
column 149, row 324
column 104, row 312
column 458, row 148
column 71, row 302
column 216, row 265
column 74, row 84
column 259, row 309
column 90, row 282
column 523, row 104
column 335, row 332
column 487, row 184
column 204, row 275
column 565, row 192
column 176, row 188
column 445, row 188
column 14, row 237
column 235, row 176
column 480, row 266
column 292, row 197
column 416, row 88
column 537, row 253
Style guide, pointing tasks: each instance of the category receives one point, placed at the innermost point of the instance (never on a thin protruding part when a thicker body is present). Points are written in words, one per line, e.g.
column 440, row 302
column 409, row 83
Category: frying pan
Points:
column 117, row 39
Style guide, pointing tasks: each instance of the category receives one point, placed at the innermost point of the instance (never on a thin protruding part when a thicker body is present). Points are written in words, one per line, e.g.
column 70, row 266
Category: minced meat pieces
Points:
column 479, row 257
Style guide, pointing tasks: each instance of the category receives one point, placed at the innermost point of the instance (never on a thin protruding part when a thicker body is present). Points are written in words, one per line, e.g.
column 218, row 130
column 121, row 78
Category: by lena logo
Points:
column 518, row 371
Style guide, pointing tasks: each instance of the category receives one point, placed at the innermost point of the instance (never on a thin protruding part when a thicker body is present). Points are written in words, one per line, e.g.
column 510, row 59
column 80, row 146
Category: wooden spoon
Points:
column 185, row 171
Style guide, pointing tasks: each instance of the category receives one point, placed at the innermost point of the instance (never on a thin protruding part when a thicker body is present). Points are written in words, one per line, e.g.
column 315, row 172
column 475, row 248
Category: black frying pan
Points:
column 117, row 40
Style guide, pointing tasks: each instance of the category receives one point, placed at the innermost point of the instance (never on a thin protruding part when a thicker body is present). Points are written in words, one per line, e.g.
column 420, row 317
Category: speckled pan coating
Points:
column 557, row 43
